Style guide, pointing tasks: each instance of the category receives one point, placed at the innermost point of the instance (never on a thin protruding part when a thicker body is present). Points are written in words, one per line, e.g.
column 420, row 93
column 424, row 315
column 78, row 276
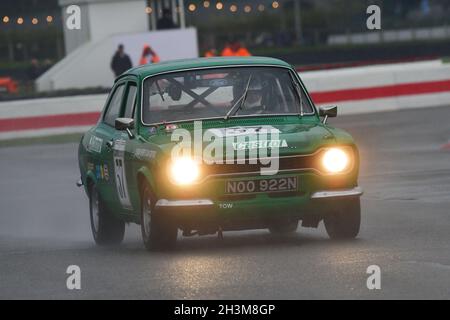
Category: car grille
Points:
column 289, row 163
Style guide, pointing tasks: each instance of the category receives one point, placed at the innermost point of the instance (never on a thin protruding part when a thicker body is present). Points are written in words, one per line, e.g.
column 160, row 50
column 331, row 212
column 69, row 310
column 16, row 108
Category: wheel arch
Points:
column 89, row 181
column 144, row 176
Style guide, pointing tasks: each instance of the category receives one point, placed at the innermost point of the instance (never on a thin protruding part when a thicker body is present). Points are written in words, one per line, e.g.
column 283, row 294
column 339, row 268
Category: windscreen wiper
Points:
column 240, row 102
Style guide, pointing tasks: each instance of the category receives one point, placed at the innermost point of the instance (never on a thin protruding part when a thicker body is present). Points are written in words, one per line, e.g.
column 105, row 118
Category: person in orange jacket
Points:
column 235, row 50
column 9, row 84
column 239, row 50
column 227, row 51
column 148, row 56
column 211, row 53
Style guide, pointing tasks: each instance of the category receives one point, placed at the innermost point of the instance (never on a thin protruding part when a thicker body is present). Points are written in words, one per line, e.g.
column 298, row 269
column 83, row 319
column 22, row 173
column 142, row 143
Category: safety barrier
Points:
column 354, row 90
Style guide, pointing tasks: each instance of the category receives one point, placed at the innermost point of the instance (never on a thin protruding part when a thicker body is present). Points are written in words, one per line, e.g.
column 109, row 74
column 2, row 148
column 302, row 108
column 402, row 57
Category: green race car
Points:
column 211, row 145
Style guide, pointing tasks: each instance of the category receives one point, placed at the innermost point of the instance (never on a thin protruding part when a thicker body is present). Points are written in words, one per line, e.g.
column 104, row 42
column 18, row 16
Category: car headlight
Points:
column 336, row 160
column 184, row 171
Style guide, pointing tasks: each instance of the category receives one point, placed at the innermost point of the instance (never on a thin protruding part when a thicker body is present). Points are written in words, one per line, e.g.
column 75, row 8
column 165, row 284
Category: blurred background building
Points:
column 307, row 33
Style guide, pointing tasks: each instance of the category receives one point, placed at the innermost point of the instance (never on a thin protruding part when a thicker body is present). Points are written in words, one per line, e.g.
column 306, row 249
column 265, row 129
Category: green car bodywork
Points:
column 120, row 163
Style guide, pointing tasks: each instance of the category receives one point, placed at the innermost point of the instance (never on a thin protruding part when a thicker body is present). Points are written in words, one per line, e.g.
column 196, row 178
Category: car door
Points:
column 123, row 150
column 105, row 133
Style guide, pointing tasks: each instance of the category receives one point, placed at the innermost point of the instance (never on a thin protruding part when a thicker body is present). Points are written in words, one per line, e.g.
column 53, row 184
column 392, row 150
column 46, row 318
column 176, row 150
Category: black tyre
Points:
column 345, row 221
column 158, row 233
column 283, row 227
column 106, row 228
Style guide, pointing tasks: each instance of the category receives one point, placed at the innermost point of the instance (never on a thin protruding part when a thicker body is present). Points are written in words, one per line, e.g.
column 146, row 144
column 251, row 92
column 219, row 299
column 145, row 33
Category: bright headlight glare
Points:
column 184, row 171
column 335, row 160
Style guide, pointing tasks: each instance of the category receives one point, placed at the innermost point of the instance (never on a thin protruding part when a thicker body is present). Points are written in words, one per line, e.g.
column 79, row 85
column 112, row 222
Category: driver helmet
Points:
column 255, row 93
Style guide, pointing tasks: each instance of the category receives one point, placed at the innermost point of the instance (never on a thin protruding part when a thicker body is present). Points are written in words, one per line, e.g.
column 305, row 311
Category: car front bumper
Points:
column 333, row 194
column 194, row 212
column 203, row 203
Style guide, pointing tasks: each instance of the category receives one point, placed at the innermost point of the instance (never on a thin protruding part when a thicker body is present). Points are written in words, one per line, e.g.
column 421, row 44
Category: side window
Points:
column 112, row 113
column 131, row 100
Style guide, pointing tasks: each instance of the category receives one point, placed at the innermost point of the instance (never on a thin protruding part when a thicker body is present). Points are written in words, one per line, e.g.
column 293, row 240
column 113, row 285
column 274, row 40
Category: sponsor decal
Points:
column 251, row 132
column 105, row 172
column 260, row 144
column 95, row 144
column 243, row 131
column 144, row 154
column 99, row 172
column 119, row 145
column 90, row 166
column 171, row 127
column 152, row 130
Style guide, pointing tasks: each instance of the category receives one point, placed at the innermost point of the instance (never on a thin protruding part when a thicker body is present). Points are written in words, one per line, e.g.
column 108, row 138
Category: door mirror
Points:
column 328, row 112
column 125, row 124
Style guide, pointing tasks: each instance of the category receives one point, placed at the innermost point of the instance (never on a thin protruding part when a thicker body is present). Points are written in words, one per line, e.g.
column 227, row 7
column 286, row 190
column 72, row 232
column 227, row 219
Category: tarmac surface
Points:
column 44, row 228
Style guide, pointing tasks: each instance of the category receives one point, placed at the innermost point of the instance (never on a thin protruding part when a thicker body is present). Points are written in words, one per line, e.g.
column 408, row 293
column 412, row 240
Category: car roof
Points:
column 179, row 65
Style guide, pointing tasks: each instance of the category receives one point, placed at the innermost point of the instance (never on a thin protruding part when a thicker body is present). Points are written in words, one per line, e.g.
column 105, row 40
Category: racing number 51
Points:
column 119, row 178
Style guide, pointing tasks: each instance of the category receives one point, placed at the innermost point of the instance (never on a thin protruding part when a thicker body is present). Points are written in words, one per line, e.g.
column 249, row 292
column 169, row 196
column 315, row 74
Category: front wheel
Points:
column 157, row 232
column 345, row 221
column 106, row 228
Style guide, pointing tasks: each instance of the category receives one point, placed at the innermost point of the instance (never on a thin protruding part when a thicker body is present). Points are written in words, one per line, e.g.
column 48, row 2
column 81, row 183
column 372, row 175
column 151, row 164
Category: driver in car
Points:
column 254, row 100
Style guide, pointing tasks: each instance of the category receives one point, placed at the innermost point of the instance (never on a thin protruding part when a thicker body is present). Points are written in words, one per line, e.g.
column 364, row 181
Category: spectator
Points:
column 120, row 62
column 235, row 49
column 227, row 51
column 148, row 56
column 46, row 65
column 166, row 22
column 211, row 53
column 34, row 70
column 239, row 50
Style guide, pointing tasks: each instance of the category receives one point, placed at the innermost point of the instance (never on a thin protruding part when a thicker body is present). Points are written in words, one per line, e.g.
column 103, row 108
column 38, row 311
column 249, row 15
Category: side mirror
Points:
column 125, row 124
column 328, row 112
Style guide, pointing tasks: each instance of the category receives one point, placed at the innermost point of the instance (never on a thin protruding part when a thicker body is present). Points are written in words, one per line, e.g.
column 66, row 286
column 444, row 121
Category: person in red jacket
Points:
column 148, row 56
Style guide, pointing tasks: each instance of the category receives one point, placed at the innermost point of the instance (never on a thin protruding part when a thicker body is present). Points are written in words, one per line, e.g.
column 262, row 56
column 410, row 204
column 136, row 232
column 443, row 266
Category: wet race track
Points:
column 44, row 228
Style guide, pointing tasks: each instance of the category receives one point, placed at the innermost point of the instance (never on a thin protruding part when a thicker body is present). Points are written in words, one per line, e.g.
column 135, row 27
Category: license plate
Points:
column 262, row 186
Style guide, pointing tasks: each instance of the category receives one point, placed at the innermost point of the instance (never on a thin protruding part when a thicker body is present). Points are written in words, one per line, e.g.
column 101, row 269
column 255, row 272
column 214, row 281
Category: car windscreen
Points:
column 222, row 93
